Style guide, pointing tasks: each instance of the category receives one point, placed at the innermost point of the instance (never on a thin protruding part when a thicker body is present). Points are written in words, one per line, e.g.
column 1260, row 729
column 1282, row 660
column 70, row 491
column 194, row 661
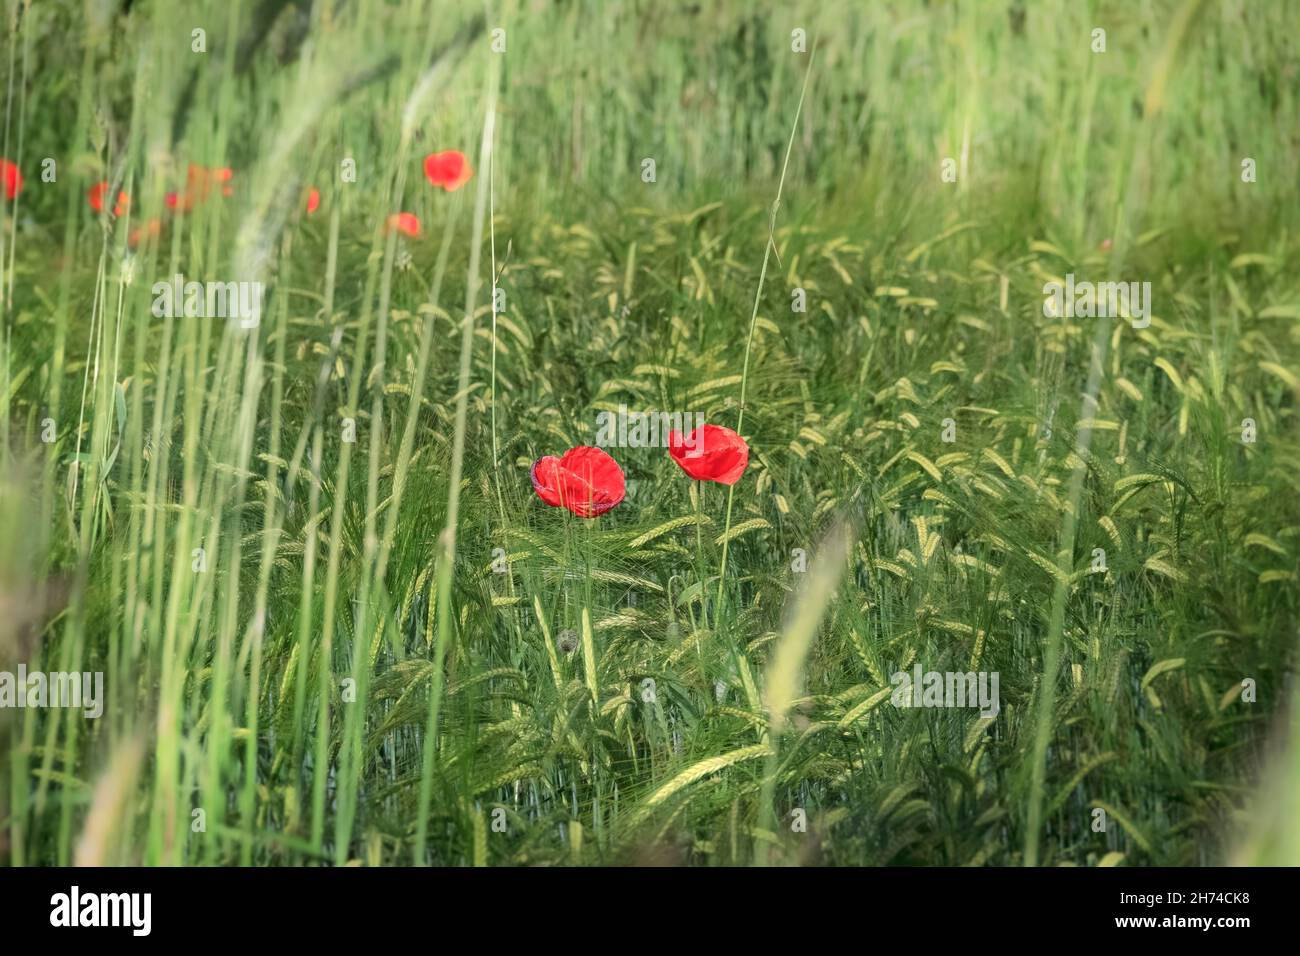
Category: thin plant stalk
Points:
column 753, row 320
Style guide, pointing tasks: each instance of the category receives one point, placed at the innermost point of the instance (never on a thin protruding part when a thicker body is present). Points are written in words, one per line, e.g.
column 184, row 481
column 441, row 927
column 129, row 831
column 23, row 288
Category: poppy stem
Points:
column 699, row 519
column 492, row 245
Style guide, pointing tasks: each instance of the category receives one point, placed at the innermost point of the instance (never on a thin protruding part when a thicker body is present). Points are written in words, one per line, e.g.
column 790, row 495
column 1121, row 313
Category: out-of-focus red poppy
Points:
column 711, row 453
column 99, row 191
column 586, row 480
column 199, row 182
column 403, row 222
column 224, row 175
column 12, row 177
column 313, row 200
column 448, row 169
column 150, row 230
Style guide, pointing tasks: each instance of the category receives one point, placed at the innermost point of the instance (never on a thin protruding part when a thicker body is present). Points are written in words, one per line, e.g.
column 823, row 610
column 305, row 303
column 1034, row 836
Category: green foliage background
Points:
column 327, row 561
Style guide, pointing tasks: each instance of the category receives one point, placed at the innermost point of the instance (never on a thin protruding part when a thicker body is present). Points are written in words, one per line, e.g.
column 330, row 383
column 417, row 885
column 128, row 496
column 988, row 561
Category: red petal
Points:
column 715, row 454
column 150, row 230
column 546, row 479
column 404, row 222
column 96, row 196
column 13, row 178
column 198, row 180
column 449, row 169
column 313, row 200
column 586, row 480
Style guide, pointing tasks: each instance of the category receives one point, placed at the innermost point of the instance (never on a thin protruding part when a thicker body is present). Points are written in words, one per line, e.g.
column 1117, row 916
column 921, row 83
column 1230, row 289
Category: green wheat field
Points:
column 336, row 625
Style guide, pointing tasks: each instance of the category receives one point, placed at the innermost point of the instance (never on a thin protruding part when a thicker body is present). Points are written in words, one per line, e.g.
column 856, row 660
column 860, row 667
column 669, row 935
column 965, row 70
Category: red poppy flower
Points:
column 404, row 222
column 712, row 453
column 150, row 230
column 313, row 200
column 586, row 481
column 449, row 169
column 96, row 197
column 12, row 178
column 199, row 182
